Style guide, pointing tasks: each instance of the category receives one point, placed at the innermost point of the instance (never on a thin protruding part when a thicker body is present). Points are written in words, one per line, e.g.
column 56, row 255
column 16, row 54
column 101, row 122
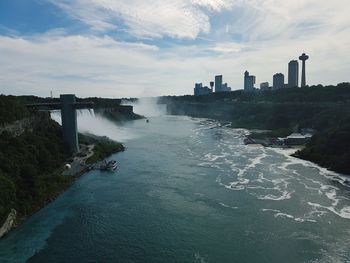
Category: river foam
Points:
column 269, row 174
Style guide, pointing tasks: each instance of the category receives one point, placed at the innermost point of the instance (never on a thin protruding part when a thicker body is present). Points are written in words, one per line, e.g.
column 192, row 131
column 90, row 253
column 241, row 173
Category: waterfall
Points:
column 89, row 122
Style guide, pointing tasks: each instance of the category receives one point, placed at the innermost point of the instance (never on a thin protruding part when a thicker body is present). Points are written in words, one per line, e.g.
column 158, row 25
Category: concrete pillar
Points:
column 69, row 122
column 303, row 75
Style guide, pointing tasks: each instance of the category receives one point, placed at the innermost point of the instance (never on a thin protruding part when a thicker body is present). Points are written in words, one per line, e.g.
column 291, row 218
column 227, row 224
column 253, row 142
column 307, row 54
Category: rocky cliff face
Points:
column 9, row 223
column 19, row 127
column 119, row 114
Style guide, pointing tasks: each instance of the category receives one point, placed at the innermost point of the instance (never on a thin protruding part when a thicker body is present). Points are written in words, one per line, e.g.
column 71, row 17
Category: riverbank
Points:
column 101, row 148
column 33, row 156
column 289, row 110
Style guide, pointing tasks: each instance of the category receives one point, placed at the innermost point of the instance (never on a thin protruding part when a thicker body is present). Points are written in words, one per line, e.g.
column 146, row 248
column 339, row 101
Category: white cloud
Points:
column 156, row 18
column 254, row 20
column 227, row 47
column 102, row 66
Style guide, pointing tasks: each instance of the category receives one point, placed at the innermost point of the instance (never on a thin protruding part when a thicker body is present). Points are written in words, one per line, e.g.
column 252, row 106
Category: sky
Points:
column 141, row 48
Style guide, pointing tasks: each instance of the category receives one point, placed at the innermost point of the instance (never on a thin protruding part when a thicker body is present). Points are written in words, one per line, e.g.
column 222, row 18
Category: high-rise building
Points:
column 278, row 81
column 303, row 58
column 200, row 90
column 218, row 83
column 264, row 86
column 293, row 74
column 249, row 82
column 225, row 88
column 211, row 85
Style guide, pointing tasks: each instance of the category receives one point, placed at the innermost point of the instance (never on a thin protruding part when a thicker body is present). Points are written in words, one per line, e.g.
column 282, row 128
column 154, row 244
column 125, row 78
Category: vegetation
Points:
column 120, row 114
column 108, row 108
column 330, row 148
column 103, row 147
column 319, row 93
column 31, row 166
column 271, row 134
column 11, row 109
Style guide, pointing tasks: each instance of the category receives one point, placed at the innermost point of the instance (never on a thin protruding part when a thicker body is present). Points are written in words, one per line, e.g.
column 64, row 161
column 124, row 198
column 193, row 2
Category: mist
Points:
column 147, row 107
column 88, row 122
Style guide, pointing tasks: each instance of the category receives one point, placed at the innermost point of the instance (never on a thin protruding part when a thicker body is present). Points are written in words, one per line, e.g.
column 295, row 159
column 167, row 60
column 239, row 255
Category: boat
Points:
column 108, row 166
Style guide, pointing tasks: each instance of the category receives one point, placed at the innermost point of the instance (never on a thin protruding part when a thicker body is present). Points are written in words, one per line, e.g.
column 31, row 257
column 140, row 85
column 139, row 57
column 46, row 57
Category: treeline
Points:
column 31, row 163
column 98, row 102
column 102, row 102
column 336, row 94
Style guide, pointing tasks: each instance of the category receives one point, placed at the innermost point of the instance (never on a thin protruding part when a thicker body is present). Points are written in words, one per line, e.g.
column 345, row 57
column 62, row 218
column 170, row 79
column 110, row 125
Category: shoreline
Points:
column 15, row 220
column 294, row 149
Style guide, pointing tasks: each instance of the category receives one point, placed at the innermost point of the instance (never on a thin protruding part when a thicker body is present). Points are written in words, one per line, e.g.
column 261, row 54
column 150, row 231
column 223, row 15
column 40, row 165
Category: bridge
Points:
column 68, row 106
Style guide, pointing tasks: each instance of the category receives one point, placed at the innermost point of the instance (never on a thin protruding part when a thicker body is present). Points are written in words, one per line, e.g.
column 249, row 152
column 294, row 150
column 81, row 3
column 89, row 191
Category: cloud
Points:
column 229, row 37
column 252, row 20
column 227, row 47
column 81, row 64
column 155, row 19
column 260, row 20
column 103, row 66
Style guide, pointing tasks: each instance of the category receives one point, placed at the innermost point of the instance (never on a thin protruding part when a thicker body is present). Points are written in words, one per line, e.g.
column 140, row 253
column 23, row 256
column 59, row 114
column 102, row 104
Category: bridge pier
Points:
column 69, row 122
column 68, row 107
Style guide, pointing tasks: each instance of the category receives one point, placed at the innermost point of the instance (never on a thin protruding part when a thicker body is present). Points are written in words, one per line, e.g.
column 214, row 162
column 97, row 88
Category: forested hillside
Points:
column 31, row 163
column 11, row 109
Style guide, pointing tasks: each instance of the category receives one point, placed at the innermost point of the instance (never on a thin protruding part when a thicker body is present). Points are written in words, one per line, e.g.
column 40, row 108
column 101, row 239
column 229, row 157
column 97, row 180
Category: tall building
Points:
column 225, row 88
column 218, row 83
column 278, row 81
column 264, row 86
column 200, row 90
column 293, row 74
column 249, row 82
column 303, row 58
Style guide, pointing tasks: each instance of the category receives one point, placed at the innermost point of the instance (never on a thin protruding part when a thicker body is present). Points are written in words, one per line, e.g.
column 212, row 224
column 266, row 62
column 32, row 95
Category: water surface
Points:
column 189, row 190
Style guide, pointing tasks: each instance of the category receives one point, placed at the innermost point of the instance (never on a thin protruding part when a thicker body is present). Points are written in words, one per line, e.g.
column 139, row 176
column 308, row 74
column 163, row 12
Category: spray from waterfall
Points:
column 147, row 107
column 89, row 122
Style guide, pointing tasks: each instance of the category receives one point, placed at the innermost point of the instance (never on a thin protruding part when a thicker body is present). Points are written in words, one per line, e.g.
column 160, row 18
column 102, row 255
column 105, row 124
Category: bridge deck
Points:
column 58, row 105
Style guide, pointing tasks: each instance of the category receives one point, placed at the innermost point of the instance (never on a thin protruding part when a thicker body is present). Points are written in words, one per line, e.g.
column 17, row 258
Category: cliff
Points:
column 20, row 126
column 119, row 113
column 9, row 223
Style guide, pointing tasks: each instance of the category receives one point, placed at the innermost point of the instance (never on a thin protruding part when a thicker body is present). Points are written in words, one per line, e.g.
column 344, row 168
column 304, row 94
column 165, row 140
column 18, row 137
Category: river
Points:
column 189, row 190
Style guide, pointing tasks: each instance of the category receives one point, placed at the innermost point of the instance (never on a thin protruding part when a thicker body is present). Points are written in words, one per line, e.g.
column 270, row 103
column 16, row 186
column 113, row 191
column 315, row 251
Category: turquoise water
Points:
column 189, row 190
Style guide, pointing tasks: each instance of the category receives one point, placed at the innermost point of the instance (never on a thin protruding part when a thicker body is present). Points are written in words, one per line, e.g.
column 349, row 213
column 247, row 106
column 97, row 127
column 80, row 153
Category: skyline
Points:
column 133, row 48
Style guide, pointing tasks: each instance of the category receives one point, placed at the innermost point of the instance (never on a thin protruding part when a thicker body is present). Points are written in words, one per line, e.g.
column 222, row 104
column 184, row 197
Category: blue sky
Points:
column 123, row 48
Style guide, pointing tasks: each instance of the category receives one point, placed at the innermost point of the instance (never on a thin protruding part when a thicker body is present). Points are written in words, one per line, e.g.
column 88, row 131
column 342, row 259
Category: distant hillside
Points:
column 319, row 93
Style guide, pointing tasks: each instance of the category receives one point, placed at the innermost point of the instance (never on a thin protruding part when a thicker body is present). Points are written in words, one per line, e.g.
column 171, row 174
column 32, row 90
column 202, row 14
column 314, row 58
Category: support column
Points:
column 69, row 122
column 303, row 75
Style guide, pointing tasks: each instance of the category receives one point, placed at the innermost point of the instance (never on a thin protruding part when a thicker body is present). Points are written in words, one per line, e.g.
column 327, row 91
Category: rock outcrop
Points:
column 9, row 223
column 20, row 126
